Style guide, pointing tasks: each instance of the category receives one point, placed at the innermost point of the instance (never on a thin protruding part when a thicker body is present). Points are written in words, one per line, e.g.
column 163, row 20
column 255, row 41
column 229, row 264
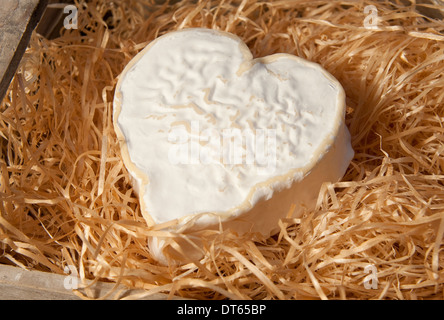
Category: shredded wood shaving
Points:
column 67, row 200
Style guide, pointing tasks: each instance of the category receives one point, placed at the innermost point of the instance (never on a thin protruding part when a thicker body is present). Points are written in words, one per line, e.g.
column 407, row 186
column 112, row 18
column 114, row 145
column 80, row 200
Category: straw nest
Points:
column 67, row 200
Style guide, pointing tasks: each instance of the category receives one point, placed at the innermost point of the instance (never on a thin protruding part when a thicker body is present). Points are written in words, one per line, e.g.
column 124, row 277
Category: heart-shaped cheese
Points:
column 212, row 136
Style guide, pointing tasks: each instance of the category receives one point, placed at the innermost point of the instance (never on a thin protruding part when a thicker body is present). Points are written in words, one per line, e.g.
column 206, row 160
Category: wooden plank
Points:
column 18, row 18
column 20, row 284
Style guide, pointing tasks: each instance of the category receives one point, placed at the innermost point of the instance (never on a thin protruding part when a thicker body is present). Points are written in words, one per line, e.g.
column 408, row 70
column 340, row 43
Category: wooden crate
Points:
column 18, row 19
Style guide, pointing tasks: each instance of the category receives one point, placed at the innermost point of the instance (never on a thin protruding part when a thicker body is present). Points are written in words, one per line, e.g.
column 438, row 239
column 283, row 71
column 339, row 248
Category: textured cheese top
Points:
column 207, row 128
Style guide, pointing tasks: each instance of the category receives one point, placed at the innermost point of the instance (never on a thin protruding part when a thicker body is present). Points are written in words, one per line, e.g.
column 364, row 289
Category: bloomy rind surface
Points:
column 328, row 162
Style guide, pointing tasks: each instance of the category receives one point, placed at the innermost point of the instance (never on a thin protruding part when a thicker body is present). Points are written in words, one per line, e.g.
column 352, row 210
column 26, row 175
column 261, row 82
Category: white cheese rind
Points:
column 191, row 85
